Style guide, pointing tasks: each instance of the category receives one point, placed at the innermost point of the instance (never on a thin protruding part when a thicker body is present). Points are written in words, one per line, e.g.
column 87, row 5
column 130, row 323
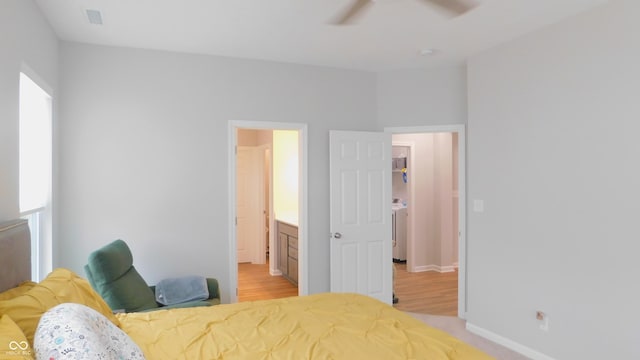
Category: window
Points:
column 35, row 171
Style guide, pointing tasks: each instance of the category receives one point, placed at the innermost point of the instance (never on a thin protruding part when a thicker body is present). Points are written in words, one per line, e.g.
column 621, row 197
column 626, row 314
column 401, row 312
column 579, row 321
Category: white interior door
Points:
column 250, row 228
column 360, row 220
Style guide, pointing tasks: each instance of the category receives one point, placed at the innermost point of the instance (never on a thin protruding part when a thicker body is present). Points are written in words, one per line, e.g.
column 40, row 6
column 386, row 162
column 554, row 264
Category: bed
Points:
column 63, row 318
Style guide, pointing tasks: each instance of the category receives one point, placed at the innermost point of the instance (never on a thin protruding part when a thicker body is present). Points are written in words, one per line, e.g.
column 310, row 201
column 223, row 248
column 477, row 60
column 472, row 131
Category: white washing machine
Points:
column 399, row 233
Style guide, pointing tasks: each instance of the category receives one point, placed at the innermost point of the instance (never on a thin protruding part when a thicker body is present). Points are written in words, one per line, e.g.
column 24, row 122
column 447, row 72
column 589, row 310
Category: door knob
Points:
column 337, row 235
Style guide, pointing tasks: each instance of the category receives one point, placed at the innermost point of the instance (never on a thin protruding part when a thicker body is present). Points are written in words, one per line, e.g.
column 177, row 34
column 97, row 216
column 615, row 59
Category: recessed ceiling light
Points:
column 427, row 52
column 94, row 16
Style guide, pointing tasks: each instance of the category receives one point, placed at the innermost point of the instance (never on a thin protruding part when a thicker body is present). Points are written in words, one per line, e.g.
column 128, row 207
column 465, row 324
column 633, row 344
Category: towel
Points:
column 183, row 289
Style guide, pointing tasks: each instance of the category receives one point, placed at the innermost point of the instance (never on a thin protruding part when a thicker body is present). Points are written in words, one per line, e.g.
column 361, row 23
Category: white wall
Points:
column 443, row 194
column 422, row 97
column 143, row 151
column 553, row 152
column 430, row 175
column 286, row 175
column 26, row 38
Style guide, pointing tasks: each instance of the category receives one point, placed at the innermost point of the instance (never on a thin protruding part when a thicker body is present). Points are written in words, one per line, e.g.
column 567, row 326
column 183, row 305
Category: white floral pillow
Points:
column 75, row 331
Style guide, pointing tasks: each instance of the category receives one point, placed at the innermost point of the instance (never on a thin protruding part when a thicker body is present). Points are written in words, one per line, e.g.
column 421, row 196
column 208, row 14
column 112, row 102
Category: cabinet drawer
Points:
column 293, row 252
column 287, row 229
column 293, row 242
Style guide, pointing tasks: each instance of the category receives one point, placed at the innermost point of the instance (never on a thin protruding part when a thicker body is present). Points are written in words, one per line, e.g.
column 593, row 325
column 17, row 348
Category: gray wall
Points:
column 553, row 152
column 143, row 150
column 421, row 97
column 25, row 38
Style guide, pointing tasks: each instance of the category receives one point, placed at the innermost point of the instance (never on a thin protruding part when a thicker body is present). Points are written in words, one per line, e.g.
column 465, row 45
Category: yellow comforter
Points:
column 323, row 326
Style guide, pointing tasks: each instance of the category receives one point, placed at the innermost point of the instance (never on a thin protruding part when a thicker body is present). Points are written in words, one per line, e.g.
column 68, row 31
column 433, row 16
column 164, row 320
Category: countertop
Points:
column 288, row 218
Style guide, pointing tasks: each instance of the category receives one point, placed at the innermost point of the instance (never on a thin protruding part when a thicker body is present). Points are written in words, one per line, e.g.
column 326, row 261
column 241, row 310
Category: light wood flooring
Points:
column 255, row 283
column 426, row 292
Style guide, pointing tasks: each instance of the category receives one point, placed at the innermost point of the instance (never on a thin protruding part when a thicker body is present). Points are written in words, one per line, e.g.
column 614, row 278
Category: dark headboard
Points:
column 15, row 253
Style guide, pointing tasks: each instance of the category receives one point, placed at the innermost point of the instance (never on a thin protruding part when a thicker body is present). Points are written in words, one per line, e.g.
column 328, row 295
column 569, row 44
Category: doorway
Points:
column 430, row 187
column 256, row 210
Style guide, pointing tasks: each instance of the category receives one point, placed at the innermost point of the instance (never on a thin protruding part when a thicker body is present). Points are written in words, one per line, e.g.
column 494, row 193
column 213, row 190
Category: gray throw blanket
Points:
column 183, row 289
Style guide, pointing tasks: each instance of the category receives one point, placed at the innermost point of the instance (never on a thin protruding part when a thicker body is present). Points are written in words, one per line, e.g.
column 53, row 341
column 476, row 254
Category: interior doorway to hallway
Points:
column 267, row 196
column 428, row 188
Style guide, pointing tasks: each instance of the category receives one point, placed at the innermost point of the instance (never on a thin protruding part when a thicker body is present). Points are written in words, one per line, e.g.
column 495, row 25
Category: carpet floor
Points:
column 456, row 327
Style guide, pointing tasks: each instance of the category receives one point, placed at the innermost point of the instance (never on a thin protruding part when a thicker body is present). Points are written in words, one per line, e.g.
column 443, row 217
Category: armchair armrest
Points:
column 212, row 285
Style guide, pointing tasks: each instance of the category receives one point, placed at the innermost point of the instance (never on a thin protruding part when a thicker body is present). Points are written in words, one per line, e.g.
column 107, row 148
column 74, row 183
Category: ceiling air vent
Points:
column 94, row 16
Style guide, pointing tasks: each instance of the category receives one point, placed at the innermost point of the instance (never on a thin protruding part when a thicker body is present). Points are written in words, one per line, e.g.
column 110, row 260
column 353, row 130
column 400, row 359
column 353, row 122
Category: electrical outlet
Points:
column 543, row 320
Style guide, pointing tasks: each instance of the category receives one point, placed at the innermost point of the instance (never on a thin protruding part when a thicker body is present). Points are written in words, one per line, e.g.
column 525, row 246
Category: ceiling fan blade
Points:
column 455, row 7
column 352, row 12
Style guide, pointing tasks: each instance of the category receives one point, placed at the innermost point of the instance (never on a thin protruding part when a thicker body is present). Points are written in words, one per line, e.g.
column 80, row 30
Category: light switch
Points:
column 478, row 206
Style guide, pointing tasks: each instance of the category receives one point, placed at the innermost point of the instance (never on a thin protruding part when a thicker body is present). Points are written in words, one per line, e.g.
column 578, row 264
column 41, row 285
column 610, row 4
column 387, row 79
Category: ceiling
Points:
column 389, row 36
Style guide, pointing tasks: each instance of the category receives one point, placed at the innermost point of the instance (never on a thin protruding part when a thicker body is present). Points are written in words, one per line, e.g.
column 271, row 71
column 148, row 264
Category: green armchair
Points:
column 111, row 273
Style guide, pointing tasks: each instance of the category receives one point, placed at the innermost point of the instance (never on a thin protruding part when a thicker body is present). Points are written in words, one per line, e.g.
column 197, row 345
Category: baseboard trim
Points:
column 446, row 269
column 275, row 272
column 438, row 268
column 508, row 343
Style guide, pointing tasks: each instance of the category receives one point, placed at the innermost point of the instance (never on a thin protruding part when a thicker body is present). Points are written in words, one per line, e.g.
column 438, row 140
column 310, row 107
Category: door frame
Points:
column 233, row 125
column 462, row 199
